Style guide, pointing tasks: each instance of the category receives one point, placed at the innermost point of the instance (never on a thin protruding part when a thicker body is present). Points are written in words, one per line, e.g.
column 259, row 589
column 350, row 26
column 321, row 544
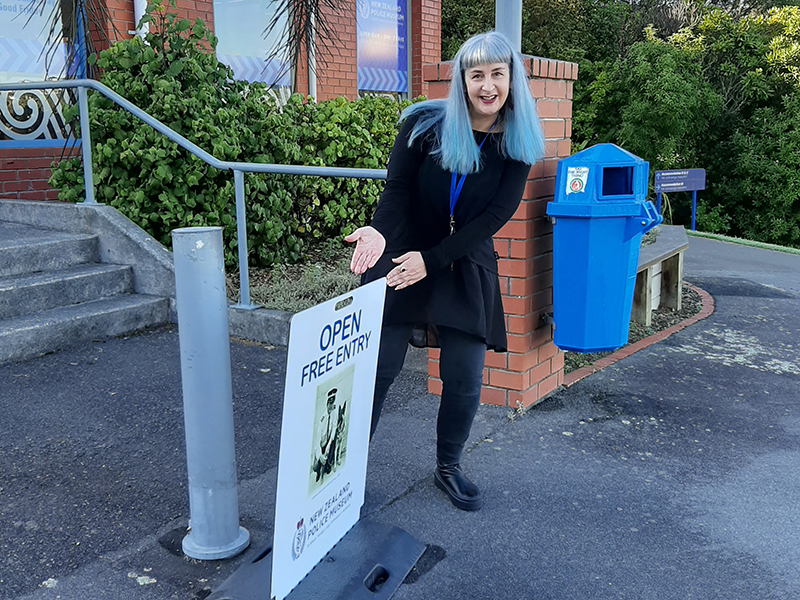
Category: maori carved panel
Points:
column 35, row 115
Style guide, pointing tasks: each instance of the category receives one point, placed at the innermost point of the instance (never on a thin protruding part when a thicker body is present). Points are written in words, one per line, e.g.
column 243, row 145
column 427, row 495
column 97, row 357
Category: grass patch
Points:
column 293, row 288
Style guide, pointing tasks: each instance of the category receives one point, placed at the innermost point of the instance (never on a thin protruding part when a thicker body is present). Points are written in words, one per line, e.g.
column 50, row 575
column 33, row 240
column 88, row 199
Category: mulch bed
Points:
column 663, row 318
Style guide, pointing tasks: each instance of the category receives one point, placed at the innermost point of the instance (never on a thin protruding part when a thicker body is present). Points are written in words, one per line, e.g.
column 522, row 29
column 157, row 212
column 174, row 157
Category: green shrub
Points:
column 174, row 76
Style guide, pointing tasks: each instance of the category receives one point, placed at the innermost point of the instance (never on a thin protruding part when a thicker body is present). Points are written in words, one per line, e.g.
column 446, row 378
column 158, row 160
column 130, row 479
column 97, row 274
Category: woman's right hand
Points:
column 370, row 245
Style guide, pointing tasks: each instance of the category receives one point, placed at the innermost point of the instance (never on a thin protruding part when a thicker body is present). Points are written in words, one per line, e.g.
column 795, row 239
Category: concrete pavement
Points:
column 673, row 474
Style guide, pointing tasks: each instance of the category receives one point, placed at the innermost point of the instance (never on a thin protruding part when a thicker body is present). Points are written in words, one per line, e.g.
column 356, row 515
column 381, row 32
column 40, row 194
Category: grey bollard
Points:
column 207, row 395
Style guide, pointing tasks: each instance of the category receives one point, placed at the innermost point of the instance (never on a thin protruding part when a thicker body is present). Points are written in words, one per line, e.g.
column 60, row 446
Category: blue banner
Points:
column 382, row 51
column 239, row 25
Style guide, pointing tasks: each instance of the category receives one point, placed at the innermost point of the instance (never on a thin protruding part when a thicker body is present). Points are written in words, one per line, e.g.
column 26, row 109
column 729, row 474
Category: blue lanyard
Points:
column 457, row 182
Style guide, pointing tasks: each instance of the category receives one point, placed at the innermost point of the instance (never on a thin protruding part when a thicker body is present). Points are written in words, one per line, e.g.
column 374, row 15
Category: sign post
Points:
column 680, row 180
column 330, row 381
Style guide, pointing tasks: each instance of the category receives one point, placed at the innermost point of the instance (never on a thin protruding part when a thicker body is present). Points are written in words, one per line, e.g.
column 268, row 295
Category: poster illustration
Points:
column 331, row 426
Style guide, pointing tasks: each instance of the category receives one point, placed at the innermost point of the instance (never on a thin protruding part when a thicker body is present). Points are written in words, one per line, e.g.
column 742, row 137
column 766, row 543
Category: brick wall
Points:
column 337, row 75
column 24, row 173
column 533, row 367
column 426, row 42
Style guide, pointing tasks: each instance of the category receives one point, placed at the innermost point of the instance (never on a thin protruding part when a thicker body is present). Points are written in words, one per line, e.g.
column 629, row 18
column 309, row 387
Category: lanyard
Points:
column 457, row 182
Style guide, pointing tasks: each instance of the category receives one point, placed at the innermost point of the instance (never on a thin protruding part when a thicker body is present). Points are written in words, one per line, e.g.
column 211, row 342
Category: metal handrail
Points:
column 238, row 168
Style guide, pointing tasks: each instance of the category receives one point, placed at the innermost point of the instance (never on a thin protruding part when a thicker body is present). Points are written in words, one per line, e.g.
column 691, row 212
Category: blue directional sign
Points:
column 382, row 59
column 680, row 180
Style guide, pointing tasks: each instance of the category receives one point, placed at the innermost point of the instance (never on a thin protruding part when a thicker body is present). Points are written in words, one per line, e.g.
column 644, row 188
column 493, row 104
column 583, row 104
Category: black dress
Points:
column 461, row 289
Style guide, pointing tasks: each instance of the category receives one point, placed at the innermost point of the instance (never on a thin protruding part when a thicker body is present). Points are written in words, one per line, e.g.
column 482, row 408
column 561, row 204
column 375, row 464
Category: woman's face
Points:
column 487, row 90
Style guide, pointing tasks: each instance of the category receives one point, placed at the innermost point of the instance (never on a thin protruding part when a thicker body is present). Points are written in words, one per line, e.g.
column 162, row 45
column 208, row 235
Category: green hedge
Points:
column 174, row 76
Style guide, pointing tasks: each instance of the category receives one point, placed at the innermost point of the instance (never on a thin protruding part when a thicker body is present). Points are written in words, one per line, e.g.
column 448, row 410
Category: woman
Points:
column 456, row 175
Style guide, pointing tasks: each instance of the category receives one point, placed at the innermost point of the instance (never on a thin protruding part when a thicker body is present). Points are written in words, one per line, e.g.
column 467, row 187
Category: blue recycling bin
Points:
column 599, row 213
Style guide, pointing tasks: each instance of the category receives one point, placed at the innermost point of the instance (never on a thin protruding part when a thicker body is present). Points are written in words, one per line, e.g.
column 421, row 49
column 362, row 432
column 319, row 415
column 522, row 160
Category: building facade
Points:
column 374, row 47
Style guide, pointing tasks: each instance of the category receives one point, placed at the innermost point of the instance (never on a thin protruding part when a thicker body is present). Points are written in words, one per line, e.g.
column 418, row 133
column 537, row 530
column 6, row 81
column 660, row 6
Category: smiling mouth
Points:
column 488, row 99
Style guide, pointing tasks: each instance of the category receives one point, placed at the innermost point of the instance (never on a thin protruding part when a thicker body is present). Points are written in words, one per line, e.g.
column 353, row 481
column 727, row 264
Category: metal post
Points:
column 241, row 243
column 508, row 20
column 207, row 395
column 694, row 208
column 86, row 147
column 311, row 51
column 658, row 203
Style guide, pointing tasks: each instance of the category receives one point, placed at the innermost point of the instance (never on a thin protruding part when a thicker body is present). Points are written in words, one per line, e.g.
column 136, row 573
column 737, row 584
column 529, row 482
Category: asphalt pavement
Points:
column 672, row 474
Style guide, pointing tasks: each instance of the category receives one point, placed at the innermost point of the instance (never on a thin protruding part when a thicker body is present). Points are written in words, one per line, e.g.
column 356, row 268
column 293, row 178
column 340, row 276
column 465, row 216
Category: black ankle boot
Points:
column 462, row 492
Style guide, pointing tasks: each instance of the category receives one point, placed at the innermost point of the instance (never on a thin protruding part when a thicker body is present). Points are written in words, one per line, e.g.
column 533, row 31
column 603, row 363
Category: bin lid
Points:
column 603, row 154
column 604, row 173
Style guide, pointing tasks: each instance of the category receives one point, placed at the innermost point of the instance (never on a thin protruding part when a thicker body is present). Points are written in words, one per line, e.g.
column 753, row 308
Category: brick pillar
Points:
column 424, row 29
column 533, row 367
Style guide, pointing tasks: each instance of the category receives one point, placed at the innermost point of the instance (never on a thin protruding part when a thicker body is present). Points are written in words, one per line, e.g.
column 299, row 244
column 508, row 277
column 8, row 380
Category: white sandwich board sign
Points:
column 327, row 410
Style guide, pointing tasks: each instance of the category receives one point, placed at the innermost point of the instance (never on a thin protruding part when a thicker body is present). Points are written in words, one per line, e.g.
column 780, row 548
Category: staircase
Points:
column 54, row 293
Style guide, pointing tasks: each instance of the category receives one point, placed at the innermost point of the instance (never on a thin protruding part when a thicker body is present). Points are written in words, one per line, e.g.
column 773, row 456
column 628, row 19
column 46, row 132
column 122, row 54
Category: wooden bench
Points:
column 659, row 276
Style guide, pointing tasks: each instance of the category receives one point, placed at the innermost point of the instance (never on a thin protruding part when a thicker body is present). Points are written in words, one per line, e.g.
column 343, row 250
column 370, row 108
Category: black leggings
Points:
column 461, row 371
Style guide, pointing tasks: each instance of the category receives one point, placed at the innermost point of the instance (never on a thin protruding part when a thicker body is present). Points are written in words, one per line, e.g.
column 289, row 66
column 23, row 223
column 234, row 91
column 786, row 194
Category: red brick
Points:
column 494, row 396
column 516, row 305
column 523, row 362
column 557, row 362
column 544, row 188
column 507, row 380
column 516, row 230
column 553, row 128
column 501, row 247
column 563, row 148
column 433, row 353
column 521, row 287
column 547, row 109
column 509, row 267
column 523, row 399
column 430, row 72
column 433, row 368
column 526, row 209
column 503, row 285
column 521, row 324
column 540, row 371
column 548, row 385
column 536, row 171
column 435, row 386
column 496, row 360
column 555, row 88
column 537, row 88
column 519, row 343
column 438, row 90
column 565, row 109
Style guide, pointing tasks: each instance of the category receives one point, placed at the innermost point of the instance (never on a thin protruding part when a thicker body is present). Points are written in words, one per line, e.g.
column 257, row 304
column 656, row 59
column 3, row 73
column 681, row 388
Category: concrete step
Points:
column 25, row 249
column 33, row 335
column 27, row 294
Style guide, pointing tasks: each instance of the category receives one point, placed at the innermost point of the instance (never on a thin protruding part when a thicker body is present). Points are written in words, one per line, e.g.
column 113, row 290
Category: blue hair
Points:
column 448, row 120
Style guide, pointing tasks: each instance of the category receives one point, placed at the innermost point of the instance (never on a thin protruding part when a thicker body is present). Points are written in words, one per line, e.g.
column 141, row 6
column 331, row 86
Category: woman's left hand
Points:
column 409, row 270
